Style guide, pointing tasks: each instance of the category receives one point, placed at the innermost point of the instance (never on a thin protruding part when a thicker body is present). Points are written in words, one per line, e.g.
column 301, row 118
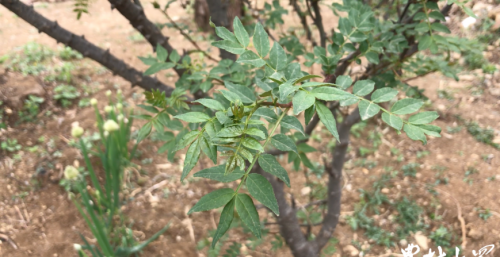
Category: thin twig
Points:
column 164, row 11
column 303, row 21
column 250, row 8
column 7, row 238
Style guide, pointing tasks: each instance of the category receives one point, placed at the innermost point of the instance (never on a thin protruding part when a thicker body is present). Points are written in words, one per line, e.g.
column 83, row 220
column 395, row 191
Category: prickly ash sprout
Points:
column 71, row 173
column 77, row 131
column 111, row 125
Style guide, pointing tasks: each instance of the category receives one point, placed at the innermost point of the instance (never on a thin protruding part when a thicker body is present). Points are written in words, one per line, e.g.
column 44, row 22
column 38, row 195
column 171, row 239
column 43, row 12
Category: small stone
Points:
column 441, row 107
column 421, row 240
column 305, row 190
column 178, row 238
column 418, row 175
column 366, row 171
column 385, row 190
column 403, row 243
column 475, row 234
column 351, row 250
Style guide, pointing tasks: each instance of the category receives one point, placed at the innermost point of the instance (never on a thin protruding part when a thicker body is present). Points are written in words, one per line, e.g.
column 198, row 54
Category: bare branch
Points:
column 87, row 49
column 319, row 22
column 188, row 37
column 141, row 23
column 303, row 21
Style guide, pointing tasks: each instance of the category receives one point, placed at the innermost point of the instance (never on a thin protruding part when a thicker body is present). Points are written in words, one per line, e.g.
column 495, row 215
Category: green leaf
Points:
column 469, row 12
column 255, row 132
column 245, row 94
column 144, row 131
column 286, row 89
column 229, row 46
column 301, row 101
column 367, row 109
column 248, row 213
column 316, row 84
column 291, row 122
column 277, row 57
column 349, row 101
column 224, row 33
column 326, row 117
column 345, row 26
column 372, row 57
column 233, row 131
column 249, row 57
column 193, row 117
column 213, row 200
column 430, row 130
column 217, row 173
column 437, row 15
column 148, row 60
column 422, row 27
column 384, row 94
column 221, row 117
column 240, row 32
column 192, row 156
column 261, row 189
column 158, row 67
column 343, row 81
column 415, row 133
column 226, row 218
column 148, row 108
column 358, row 36
column 284, row 143
column 261, row 40
column 406, row 106
column 309, row 113
column 161, row 53
column 363, row 87
column 305, row 148
column 392, row 120
column 269, row 164
column 209, row 149
column 306, row 77
column 174, row 56
column 425, row 42
column 211, row 103
column 231, row 96
column 423, row 118
column 440, row 27
column 266, row 113
column 252, row 144
column 331, row 94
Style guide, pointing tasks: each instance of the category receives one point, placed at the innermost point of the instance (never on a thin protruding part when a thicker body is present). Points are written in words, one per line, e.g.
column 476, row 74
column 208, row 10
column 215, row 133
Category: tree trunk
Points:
column 222, row 13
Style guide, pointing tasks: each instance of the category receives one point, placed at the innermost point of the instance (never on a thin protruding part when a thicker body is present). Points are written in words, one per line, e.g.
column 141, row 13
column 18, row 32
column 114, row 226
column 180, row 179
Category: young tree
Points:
column 257, row 115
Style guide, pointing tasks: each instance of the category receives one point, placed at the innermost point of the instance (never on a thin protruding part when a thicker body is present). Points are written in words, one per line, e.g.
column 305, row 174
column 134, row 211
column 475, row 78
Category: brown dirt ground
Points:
column 45, row 223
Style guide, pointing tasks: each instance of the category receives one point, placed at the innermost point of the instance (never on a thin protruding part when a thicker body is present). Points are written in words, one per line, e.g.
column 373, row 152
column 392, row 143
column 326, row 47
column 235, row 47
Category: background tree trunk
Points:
column 222, row 12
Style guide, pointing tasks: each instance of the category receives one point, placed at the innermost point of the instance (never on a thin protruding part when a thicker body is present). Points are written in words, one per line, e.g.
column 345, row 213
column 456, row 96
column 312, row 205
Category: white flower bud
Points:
column 93, row 102
column 111, row 125
column 119, row 106
column 119, row 117
column 119, row 92
column 77, row 247
column 108, row 109
column 77, row 131
column 106, row 133
column 108, row 93
column 71, row 173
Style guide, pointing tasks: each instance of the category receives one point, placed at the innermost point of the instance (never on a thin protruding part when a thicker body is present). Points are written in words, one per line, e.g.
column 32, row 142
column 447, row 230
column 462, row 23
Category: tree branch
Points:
column 289, row 224
column 331, row 218
column 87, row 49
column 141, row 23
column 218, row 12
column 303, row 21
column 319, row 22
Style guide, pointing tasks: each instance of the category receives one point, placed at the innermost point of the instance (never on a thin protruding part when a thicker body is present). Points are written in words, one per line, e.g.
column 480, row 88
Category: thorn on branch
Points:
column 112, row 7
column 82, row 36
